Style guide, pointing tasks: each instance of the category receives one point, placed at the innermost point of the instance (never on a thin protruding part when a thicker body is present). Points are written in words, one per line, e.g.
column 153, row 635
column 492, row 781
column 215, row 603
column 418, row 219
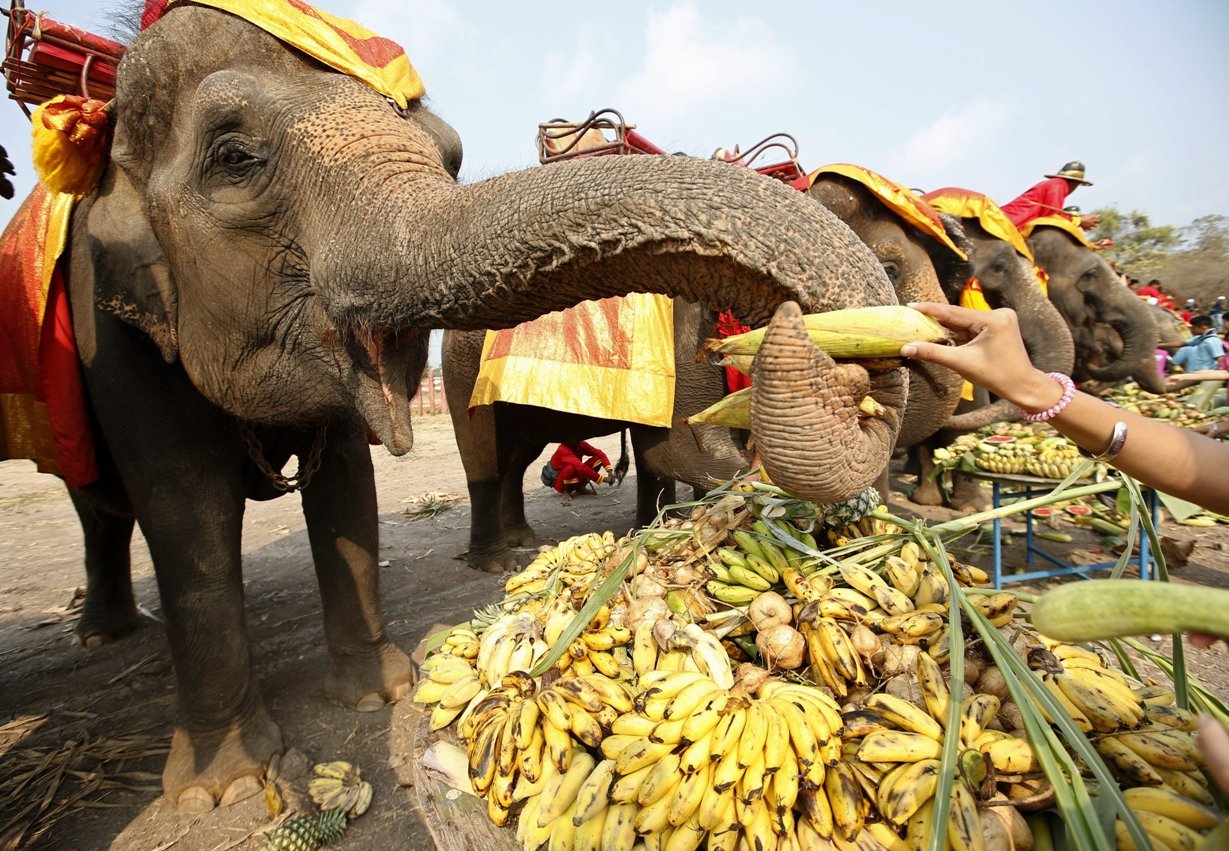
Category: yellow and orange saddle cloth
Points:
column 612, row 359
column 43, row 414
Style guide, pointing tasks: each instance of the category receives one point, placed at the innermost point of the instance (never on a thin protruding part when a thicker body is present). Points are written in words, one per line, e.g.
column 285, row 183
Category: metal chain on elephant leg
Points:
column 301, row 477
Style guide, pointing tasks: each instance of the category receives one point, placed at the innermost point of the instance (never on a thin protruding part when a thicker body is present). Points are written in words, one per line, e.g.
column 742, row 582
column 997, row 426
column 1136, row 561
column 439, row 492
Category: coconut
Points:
column 769, row 609
column 749, row 678
column 650, row 609
column 991, row 682
column 893, row 659
column 1010, row 715
column 905, row 686
column 864, row 641
column 781, row 646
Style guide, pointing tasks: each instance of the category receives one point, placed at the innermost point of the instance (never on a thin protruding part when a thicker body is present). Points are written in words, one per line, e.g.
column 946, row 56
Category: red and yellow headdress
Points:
column 895, row 197
column 1062, row 223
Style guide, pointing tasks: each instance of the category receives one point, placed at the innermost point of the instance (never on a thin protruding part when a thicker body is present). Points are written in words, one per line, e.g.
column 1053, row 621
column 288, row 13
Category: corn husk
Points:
column 864, row 332
column 734, row 410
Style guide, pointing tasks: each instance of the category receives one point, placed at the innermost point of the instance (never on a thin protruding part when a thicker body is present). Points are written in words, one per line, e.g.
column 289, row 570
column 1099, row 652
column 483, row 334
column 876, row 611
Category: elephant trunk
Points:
column 1138, row 356
column 813, row 440
column 506, row 250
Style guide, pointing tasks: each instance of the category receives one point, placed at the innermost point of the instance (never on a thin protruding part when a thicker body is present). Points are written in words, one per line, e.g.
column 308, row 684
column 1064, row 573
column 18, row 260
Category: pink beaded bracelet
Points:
column 1061, row 405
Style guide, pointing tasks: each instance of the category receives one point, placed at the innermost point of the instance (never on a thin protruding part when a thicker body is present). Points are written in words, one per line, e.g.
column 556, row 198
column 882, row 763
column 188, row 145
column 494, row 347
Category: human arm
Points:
column 591, row 451
column 992, row 355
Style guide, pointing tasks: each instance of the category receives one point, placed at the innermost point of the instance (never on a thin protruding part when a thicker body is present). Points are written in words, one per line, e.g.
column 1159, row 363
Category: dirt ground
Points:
column 58, row 698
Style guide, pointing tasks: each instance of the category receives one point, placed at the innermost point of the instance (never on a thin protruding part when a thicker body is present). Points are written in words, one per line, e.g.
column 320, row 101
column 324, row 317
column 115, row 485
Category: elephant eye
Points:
column 234, row 158
column 893, row 271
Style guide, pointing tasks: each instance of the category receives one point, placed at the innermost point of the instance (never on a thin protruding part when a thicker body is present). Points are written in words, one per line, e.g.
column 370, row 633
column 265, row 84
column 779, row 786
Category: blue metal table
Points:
column 1003, row 484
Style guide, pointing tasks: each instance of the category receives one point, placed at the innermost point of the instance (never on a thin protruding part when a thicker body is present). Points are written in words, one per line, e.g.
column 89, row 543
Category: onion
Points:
column 781, row 646
column 769, row 609
column 864, row 641
column 749, row 678
column 991, row 682
column 649, row 609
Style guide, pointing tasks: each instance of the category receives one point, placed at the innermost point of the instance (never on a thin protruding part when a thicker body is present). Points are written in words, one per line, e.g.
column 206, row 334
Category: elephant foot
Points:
column 209, row 769
column 927, row 492
column 519, row 535
column 969, row 495
column 101, row 625
column 492, row 560
column 369, row 681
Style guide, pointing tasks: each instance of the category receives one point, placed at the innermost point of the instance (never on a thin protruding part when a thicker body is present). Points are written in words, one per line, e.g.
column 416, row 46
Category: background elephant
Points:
column 1007, row 279
column 498, row 442
column 1114, row 331
column 255, row 277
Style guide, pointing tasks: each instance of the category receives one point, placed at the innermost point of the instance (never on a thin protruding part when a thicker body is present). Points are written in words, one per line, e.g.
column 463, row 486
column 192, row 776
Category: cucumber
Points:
column 1111, row 608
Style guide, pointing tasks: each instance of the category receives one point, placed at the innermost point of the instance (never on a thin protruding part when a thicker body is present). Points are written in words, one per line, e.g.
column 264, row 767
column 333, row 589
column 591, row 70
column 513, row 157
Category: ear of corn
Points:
column 865, row 332
column 732, row 411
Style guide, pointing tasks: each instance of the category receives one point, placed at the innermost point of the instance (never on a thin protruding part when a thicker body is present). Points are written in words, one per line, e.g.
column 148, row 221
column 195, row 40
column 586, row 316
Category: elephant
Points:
column 1007, row 279
column 255, row 276
column 1114, row 332
column 498, row 442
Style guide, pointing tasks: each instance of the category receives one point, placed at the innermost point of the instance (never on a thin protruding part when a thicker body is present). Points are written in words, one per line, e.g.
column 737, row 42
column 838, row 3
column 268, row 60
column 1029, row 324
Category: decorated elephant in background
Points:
column 1005, row 277
column 255, row 277
column 498, row 442
column 1114, row 331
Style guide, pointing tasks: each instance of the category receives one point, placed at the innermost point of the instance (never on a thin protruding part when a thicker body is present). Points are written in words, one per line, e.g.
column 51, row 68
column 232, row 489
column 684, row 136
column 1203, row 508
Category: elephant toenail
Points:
column 372, row 702
column 95, row 640
column 195, row 801
column 242, row 789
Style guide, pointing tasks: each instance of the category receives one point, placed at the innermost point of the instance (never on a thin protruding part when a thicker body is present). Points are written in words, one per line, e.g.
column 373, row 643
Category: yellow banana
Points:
column 526, row 725
column 861, row 579
column 817, row 812
column 557, row 743
column 638, row 755
column 530, row 758
column 906, row 789
column 898, row 746
column 905, row 715
column 660, row 781
column 1170, row 749
column 560, row 793
column 912, row 624
column 934, row 689
column 1012, row 756
column 901, row 575
column 845, row 797
column 1131, row 764
column 655, row 818
column 687, row 796
column 979, row 710
column 1170, row 804
column 1188, row 784
column 892, row 601
column 840, row 652
column 964, row 829
column 594, row 792
column 644, row 648
column 1165, row 830
column 751, row 743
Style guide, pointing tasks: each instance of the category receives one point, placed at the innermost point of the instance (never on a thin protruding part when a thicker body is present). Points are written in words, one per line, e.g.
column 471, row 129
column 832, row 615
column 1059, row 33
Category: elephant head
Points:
column 920, row 267
column 275, row 225
column 1003, row 267
column 1097, row 308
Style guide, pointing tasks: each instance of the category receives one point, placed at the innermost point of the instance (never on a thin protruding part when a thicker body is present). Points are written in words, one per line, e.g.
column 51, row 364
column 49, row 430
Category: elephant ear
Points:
column 117, row 256
column 953, row 272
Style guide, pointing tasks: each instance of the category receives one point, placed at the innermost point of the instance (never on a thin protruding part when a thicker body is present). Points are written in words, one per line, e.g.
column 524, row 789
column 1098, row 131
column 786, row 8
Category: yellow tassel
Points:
column 72, row 139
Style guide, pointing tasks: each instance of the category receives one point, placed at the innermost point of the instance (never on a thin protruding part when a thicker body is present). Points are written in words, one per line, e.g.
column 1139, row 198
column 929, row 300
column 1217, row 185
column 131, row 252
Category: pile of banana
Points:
column 1173, row 407
column 1012, row 449
column 742, row 688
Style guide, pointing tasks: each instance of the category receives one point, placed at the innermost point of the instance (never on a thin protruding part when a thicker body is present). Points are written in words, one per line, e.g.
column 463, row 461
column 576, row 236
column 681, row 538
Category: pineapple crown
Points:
column 851, row 510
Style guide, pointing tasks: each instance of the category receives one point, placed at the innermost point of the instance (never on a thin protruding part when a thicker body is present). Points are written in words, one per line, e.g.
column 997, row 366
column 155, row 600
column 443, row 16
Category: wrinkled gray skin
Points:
column 1098, row 308
column 1007, row 280
column 270, row 244
column 921, row 269
column 497, row 443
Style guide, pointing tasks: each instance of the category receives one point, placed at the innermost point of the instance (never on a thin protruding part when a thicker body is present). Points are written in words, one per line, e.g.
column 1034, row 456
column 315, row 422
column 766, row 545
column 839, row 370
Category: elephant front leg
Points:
column 928, row 491
column 110, row 610
column 367, row 670
column 224, row 738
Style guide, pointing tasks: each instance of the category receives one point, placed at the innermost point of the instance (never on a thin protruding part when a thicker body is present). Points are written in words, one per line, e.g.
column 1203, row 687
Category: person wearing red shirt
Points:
column 1048, row 198
column 577, row 464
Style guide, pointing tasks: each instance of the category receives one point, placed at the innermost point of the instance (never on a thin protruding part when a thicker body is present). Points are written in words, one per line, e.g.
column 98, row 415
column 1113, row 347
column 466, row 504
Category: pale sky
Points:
column 985, row 95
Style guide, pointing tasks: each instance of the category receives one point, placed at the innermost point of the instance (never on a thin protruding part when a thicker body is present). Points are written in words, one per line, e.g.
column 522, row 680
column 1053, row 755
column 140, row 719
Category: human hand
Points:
column 1214, row 745
column 990, row 353
column 1213, row 429
column 1089, row 221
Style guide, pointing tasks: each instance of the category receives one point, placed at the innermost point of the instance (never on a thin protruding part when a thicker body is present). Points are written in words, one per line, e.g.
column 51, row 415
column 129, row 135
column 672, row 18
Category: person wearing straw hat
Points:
column 1049, row 197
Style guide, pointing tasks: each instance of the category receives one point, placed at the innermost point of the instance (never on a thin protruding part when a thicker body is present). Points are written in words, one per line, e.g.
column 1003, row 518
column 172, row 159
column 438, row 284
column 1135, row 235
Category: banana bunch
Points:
column 461, row 641
column 1097, row 697
column 450, row 683
column 1171, row 820
column 1003, row 454
column 696, row 758
column 339, row 786
column 1056, row 458
column 689, row 649
column 572, row 564
column 521, row 741
column 514, row 642
column 740, row 575
column 596, row 650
